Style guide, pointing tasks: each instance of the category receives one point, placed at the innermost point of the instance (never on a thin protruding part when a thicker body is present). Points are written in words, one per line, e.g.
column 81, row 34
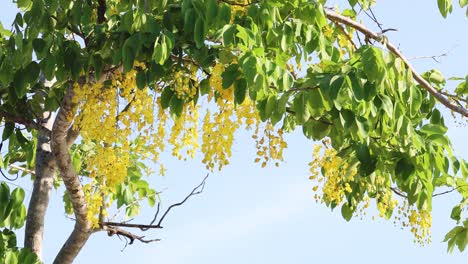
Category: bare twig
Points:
column 18, row 168
column 130, row 236
column 434, row 57
column 195, row 191
column 398, row 192
column 113, row 228
column 446, row 192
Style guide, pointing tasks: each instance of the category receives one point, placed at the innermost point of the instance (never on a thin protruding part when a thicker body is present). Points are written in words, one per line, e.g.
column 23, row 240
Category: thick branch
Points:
column 82, row 229
column 335, row 17
column 43, row 182
column 25, row 122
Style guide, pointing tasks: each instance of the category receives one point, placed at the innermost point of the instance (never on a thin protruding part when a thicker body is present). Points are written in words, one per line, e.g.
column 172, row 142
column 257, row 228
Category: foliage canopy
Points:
column 131, row 78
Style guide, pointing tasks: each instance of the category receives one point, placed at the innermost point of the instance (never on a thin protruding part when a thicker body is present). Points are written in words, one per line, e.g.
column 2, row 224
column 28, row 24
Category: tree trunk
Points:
column 44, row 173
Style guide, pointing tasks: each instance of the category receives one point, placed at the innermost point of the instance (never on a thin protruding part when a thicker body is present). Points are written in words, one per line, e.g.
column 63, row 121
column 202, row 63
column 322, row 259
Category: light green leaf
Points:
column 373, row 63
column 430, row 129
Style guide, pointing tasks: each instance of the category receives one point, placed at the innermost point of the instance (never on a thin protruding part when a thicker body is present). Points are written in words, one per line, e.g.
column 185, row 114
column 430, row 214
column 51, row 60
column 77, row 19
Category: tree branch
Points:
column 113, row 227
column 82, row 229
column 25, row 122
column 335, row 17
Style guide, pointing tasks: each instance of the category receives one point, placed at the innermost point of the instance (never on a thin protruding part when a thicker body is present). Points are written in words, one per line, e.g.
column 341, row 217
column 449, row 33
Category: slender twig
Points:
column 446, row 192
column 113, row 228
column 18, row 168
column 197, row 190
column 434, row 57
column 398, row 192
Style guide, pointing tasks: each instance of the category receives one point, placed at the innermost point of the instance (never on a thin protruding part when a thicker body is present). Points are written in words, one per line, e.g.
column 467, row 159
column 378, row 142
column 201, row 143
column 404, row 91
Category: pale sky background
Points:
column 252, row 215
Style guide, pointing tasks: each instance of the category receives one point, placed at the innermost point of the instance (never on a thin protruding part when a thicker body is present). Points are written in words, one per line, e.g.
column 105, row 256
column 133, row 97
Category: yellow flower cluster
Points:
column 95, row 201
column 385, row 203
column 184, row 133
column 247, row 114
column 218, row 137
column 224, row 97
column 238, row 7
column 419, row 222
column 335, row 177
column 108, row 115
column 270, row 146
column 182, row 85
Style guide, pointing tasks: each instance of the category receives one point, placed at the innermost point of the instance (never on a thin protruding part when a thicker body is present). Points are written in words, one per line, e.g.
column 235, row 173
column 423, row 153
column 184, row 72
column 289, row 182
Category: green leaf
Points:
column 24, row 5
column 76, row 161
column 336, row 83
column 224, row 14
column 317, row 103
column 162, row 49
column 387, row 105
column 129, row 52
column 462, row 239
column 404, row 168
column 205, row 86
column 199, row 32
column 431, row 129
column 11, row 257
column 17, row 197
column 456, row 213
column 176, row 106
column 316, row 130
column 39, row 45
column 240, row 90
column 434, row 76
column 230, row 75
column 346, row 212
column 362, row 153
column 141, row 80
column 368, row 163
column 300, row 109
column 211, row 11
column 373, row 63
column 20, row 84
column 416, row 100
column 8, row 130
column 463, row 3
column 445, row 7
column 166, row 97
column 229, row 34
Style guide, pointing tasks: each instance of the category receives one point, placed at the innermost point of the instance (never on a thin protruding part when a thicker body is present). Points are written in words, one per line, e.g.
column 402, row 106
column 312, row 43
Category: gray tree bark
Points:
column 60, row 145
column 44, row 173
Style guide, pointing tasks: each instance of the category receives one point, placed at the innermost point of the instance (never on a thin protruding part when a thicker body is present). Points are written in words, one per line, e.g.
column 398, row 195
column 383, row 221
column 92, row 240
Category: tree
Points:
column 93, row 91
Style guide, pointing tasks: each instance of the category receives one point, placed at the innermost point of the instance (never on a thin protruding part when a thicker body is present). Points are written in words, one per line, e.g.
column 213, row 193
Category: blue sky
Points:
column 252, row 215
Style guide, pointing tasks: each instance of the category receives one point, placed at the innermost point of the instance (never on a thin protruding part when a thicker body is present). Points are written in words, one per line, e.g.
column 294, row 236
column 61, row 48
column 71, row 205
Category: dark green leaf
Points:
column 166, row 97
column 404, row 168
column 199, row 32
column 240, row 90
column 141, row 81
column 230, row 75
